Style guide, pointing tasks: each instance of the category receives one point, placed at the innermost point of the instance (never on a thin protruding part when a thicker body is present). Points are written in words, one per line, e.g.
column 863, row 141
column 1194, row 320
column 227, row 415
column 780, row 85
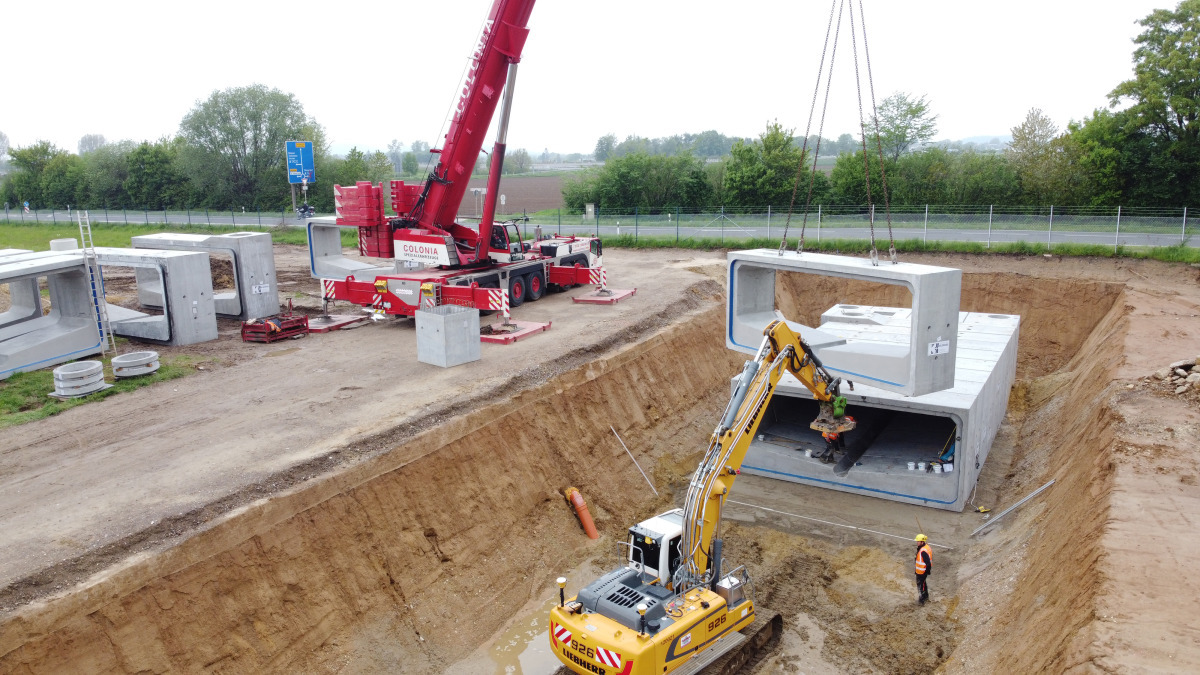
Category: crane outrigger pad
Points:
column 833, row 425
column 502, row 334
column 609, row 296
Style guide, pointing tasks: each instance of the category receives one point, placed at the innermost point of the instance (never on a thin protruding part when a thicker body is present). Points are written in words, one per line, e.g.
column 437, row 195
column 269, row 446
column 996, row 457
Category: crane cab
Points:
column 654, row 547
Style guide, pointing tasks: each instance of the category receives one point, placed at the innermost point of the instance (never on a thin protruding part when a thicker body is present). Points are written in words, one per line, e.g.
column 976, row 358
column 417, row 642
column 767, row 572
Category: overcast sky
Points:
column 372, row 71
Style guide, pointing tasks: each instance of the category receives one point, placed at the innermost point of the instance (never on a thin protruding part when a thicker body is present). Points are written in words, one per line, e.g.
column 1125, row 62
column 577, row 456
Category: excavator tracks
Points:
column 757, row 641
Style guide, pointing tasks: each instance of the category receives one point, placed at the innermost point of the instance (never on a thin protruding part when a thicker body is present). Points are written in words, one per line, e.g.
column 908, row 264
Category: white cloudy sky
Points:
column 371, row 71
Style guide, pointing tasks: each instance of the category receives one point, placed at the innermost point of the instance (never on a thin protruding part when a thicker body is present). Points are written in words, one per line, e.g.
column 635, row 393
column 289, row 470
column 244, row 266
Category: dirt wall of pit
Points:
column 427, row 556
column 413, row 564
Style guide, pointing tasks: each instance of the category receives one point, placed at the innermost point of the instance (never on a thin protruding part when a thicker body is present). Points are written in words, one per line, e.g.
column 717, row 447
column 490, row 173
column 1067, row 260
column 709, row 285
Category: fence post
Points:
column 54, row 216
column 635, row 224
column 1050, row 229
column 722, row 223
column 1117, row 238
column 189, row 215
column 990, row 207
column 232, row 218
column 818, row 226
column 924, row 237
column 207, row 217
column 146, row 215
column 677, row 224
column 125, row 214
column 768, row 222
column 1183, row 228
column 597, row 222
column 260, row 220
column 22, row 212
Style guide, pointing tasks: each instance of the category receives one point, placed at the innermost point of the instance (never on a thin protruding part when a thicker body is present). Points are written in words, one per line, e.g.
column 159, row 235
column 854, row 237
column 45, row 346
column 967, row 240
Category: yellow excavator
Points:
column 671, row 608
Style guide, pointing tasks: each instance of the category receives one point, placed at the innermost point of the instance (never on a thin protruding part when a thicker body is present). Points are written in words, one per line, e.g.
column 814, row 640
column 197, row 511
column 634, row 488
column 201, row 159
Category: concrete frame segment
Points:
column 325, row 259
column 70, row 330
column 25, row 302
column 921, row 364
column 986, row 356
column 257, row 293
column 189, row 312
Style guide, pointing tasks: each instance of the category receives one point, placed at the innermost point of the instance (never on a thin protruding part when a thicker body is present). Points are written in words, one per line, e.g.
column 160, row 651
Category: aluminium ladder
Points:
column 96, row 281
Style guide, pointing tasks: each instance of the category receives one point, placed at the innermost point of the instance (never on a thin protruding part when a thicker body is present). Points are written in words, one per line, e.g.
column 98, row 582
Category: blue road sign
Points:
column 300, row 166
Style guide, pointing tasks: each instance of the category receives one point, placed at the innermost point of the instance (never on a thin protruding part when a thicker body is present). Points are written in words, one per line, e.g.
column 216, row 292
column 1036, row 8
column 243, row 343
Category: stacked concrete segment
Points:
column 24, row 301
column 257, row 291
column 325, row 257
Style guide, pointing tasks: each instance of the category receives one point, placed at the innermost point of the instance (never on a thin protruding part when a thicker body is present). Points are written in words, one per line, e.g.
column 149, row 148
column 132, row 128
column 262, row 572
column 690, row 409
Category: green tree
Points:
column 154, row 180
column 1033, row 156
column 62, row 181
column 848, row 179
column 105, row 172
column 90, row 142
column 410, row 164
column 604, row 147
column 30, row 163
column 517, row 161
column 379, row 167
column 395, row 152
column 234, row 145
column 763, row 172
column 903, row 120
column 648, row 182
column 1165, row 96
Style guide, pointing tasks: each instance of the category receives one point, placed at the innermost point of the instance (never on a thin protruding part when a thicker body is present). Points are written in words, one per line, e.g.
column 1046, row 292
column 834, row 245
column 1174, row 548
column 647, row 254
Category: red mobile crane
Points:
column 446, row 262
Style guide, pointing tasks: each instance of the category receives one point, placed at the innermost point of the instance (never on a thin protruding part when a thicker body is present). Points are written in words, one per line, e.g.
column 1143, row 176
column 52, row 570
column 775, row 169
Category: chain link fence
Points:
column 1116, row 226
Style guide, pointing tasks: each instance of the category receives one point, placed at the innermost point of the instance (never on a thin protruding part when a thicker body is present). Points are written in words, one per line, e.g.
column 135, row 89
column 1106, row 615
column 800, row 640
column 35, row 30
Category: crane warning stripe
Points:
column 561, row 634
column 328, row 287
column 607, row 658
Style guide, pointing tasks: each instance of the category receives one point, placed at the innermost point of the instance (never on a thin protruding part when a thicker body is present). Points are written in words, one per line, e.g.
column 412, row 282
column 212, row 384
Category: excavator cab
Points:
column 654, row 549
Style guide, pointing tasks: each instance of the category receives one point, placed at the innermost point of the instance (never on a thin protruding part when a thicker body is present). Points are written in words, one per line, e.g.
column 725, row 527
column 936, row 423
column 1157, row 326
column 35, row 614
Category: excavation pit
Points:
column 430, row 547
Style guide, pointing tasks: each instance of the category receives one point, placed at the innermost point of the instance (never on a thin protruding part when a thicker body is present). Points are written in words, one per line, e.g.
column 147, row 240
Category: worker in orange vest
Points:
column 924, row 567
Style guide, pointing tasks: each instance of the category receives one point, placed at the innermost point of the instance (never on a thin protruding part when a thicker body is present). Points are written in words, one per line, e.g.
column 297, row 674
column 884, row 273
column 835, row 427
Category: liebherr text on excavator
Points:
column 672, row 608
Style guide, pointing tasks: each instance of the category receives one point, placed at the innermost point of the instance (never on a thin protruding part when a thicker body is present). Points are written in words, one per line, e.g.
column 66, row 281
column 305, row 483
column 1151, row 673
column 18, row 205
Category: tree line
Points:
column 1146, row 153
column 228, row 153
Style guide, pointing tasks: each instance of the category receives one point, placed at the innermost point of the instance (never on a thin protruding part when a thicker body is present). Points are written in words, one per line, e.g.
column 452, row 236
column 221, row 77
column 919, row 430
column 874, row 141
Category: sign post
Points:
column 301, row 167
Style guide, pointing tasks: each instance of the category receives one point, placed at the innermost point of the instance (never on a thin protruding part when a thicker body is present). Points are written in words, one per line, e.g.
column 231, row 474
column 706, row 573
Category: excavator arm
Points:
column 781, row 350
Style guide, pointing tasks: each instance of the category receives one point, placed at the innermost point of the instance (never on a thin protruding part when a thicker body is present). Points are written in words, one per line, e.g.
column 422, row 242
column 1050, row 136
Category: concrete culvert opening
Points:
column 447, row 543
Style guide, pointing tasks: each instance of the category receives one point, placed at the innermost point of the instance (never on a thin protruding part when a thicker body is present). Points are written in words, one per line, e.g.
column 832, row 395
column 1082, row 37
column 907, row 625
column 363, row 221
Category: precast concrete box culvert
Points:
column 448, row 335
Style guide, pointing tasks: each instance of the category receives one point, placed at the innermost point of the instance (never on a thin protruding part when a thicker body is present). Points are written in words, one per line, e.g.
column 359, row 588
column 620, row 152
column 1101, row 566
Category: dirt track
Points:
column 401, row 510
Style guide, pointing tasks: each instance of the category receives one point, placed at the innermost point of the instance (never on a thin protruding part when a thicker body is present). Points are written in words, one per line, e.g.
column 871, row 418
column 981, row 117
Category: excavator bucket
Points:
column 830, row 422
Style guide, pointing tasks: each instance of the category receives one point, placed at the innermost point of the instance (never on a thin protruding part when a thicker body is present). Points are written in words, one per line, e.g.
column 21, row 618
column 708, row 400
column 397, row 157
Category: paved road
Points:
column 717, row 229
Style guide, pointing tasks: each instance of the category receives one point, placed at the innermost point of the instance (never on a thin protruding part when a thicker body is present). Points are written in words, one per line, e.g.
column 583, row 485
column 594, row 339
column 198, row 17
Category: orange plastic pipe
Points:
column 581, row 510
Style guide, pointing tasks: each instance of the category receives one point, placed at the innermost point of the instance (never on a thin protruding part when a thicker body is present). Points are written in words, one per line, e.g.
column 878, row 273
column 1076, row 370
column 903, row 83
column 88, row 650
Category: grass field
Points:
column 36, row 237
column 24, row 396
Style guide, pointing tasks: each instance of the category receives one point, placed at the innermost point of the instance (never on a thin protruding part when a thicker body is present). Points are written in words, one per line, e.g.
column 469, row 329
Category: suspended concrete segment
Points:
column 920, row 363
column 256, row 293
column 69, row 331
column 183, row 284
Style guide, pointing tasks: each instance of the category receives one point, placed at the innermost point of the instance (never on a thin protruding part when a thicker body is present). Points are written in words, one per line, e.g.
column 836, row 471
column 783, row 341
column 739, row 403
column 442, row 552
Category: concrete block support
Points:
column 184, row 286
column 70, row 331
column 256, row 293
column 448, row 335
column 920, row 363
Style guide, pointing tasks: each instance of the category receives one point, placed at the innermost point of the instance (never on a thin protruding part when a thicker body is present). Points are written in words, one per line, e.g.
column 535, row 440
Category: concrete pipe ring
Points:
column 133, row 359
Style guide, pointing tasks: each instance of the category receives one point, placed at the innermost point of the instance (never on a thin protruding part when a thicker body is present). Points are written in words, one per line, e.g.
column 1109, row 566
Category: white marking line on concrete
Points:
column 826, row 522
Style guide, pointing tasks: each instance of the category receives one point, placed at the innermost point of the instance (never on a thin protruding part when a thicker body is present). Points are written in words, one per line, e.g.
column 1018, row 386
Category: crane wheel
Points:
column 535, row 285
column 516, row 291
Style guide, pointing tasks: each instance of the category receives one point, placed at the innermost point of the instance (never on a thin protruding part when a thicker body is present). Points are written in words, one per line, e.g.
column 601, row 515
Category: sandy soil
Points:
column 329, row 516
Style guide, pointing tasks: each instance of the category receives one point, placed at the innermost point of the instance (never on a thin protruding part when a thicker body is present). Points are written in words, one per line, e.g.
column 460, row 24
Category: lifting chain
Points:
column 808, row 129
column 887, row 202
column 836, row 30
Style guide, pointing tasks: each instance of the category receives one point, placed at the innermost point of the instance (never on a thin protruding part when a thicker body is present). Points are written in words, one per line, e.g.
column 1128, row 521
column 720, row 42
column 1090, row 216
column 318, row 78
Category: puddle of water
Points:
column 524, row 649
column 281, row 352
